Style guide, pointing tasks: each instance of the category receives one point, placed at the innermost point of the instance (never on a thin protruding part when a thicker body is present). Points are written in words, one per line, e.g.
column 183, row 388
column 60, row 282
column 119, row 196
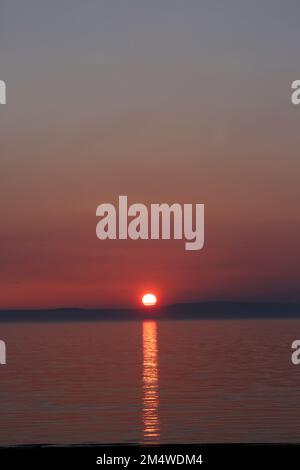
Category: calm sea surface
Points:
column 153, row 382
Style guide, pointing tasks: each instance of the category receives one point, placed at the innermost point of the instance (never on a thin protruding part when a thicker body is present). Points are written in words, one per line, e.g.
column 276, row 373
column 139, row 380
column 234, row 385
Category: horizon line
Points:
column 154, row 307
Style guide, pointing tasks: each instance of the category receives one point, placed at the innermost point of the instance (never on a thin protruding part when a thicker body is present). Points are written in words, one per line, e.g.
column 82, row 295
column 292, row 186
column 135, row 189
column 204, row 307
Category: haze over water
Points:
column 162, row 382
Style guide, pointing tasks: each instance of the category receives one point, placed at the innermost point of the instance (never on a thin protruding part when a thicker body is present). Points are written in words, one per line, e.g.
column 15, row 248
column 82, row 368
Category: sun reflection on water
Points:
column 150, row 382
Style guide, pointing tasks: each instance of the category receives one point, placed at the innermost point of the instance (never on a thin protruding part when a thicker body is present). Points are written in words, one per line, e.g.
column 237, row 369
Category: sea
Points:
column 150, row 382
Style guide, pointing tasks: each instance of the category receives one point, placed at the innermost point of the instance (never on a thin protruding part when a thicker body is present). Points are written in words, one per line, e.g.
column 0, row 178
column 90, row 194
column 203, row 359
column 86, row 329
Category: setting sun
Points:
column 149, row 299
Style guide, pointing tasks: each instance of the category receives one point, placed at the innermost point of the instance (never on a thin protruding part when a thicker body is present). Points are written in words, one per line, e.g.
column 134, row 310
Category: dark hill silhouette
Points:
column 183, row 311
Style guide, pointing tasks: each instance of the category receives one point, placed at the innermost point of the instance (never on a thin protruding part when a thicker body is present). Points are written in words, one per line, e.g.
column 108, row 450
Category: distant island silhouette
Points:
column 181, row 311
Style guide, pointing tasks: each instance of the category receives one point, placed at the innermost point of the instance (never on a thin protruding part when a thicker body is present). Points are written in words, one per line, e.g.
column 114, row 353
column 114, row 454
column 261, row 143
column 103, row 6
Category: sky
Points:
column 163, row 101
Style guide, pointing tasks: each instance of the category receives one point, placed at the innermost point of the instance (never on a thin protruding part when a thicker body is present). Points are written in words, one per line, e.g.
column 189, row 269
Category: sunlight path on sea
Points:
column 150, row 382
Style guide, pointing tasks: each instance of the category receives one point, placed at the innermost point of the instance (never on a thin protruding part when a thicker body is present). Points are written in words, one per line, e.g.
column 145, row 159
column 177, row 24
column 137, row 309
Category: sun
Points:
column 149, row 300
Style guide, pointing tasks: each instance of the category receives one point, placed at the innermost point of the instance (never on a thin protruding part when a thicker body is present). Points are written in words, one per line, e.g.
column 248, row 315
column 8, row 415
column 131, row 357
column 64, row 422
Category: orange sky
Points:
column 191, row 107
